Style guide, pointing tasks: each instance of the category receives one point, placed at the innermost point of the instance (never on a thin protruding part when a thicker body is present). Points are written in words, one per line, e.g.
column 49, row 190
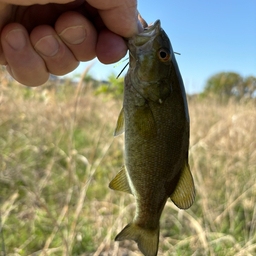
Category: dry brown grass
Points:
column 57, row 156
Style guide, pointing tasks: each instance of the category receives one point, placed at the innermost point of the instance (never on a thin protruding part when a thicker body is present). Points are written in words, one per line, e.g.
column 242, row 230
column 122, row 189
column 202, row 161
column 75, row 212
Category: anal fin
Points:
column 184, row 193
column 120, row 182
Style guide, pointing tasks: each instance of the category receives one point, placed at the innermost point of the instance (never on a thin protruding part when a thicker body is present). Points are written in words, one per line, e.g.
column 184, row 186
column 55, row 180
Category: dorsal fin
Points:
column 120, row 182
column 120, row 124
column 184, row 193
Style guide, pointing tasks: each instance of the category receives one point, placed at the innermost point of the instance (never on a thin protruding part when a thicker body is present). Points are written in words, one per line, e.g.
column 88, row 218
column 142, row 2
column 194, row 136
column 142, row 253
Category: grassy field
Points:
column 58, row 154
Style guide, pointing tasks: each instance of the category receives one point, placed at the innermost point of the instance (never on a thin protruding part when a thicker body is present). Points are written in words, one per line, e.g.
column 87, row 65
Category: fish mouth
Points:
column 142, row 42
column 147, row 35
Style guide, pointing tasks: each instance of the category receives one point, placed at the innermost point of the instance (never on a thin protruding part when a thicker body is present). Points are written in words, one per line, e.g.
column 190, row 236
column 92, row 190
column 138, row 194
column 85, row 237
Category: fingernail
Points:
column 47, row 46
column 16, row 39
column 74, row 35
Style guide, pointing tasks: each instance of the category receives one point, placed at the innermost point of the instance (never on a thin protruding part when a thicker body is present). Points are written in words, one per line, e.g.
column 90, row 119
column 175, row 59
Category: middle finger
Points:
column 58, row 59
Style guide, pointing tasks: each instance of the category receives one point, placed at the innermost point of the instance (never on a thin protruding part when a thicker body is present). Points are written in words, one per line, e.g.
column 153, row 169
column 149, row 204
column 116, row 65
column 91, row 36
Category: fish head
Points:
column 150, row 62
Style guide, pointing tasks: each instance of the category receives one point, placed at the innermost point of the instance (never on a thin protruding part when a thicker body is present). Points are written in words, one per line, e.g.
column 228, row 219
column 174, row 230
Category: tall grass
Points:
column 57, row 156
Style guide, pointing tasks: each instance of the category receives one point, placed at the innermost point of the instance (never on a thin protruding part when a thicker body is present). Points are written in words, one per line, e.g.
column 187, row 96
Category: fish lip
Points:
column 151, row 30
column 142, row 40
column 148, row 34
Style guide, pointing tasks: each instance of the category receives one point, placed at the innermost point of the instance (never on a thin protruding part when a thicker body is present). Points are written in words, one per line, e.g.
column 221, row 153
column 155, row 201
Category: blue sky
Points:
column 212, row 36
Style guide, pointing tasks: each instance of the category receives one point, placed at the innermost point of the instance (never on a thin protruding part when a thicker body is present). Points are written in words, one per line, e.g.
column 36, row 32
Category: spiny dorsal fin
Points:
column 184, row 193
column 120, row 182
column 145, row 122
column 120, row 124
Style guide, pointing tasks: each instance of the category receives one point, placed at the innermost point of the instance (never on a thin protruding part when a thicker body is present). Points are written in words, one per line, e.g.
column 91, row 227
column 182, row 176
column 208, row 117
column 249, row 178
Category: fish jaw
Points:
column 142, row 43
column 150, row 72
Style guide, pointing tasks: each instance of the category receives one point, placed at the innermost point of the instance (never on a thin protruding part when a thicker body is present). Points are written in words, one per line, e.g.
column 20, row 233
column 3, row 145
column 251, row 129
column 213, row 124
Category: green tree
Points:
column 225, row 84
column 250, row 86
column 114, row 88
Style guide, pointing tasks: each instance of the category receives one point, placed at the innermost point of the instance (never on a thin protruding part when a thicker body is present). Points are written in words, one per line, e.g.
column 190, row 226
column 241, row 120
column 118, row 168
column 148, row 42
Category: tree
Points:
column 227, row 84
column 250, row 86
column 116, row 85
column 114, row 88
column 223, row 84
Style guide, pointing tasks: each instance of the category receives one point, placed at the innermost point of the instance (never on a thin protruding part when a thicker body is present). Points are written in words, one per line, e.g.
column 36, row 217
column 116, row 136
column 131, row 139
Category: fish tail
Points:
column 147, row 239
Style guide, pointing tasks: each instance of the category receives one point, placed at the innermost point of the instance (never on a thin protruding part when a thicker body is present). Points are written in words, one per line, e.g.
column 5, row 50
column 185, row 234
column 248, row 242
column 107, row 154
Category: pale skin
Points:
column 53, row 37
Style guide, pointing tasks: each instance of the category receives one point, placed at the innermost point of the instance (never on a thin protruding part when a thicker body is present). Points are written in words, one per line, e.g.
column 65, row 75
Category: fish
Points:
column 155, row 123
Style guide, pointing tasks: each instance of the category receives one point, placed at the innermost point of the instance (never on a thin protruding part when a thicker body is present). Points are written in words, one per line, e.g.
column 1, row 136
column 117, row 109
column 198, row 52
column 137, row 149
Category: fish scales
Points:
column 156, row 125
column 154, row 166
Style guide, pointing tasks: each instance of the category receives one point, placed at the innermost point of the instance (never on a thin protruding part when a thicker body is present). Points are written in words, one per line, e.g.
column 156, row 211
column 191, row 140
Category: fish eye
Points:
column 163, row 55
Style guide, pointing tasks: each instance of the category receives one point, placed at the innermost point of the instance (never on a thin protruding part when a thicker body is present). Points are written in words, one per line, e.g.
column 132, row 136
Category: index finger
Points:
column 119, row 16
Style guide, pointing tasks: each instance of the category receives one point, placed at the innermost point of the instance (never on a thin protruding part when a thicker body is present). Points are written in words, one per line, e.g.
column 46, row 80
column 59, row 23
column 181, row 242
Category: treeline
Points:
column 229, row 84
column 223, row 86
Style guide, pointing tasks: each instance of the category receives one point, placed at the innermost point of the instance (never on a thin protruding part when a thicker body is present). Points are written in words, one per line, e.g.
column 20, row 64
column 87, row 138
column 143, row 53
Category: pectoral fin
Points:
column 145, row 122
column 120, row 182
column 120, row 124
column 184, row 193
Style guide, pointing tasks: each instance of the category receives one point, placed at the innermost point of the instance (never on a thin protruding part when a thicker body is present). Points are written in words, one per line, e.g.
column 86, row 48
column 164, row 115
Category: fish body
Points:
column 155, row 120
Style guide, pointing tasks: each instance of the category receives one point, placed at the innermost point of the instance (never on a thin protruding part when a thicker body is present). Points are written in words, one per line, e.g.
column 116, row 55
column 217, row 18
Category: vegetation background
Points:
column 58, row 154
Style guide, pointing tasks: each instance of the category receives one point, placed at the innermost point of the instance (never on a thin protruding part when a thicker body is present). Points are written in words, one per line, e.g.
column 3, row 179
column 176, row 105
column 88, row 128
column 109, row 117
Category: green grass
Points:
column 58, row 154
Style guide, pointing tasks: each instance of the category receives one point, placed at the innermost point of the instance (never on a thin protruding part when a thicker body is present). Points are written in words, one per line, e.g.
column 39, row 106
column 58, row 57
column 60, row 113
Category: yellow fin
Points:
column 120, row 182
column 120, row 124
column 147, row 239
column 184, row 193
column 145, row 122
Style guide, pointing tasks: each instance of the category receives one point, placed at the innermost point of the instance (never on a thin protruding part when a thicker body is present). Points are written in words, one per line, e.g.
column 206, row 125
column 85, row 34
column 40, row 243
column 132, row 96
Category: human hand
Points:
column 37, row 40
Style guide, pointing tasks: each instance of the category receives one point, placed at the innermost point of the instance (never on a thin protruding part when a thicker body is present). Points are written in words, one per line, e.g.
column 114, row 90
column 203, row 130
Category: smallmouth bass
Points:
column 155, row 120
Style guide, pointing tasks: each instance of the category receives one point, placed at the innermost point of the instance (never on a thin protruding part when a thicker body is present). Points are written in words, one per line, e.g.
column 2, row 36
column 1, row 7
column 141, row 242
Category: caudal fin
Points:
column 147, row 239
